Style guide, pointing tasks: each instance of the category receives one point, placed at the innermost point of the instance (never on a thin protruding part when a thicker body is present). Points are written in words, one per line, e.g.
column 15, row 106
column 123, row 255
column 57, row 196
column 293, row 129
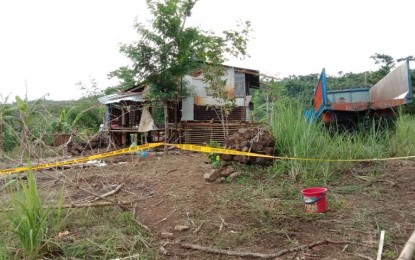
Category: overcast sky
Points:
column 50, row 45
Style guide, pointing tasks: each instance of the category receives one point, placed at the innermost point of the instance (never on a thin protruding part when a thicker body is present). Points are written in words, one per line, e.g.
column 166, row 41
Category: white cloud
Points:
column 54, row 44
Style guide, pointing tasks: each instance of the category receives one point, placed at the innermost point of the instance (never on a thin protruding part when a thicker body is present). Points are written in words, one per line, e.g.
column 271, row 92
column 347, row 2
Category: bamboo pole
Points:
column 408, row 249
column 381, row 241
column 166, row 127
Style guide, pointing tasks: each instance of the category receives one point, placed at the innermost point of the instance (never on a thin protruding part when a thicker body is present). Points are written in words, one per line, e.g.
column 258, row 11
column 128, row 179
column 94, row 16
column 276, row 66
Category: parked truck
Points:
column 346, row 107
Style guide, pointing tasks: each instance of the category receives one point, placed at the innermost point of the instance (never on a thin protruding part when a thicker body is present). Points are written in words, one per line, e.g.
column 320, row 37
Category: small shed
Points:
column 191, row 120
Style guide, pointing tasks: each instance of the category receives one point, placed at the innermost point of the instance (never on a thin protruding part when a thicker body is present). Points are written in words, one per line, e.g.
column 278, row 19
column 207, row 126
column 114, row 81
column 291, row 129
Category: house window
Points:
column 239, row 84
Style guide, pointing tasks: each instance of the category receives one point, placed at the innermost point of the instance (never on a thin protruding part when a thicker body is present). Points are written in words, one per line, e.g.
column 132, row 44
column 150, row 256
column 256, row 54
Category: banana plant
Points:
column 6, row 115
column 26, row 111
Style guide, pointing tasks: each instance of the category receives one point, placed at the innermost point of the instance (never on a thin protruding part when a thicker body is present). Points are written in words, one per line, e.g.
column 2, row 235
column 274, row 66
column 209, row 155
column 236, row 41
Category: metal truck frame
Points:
column 346, row 107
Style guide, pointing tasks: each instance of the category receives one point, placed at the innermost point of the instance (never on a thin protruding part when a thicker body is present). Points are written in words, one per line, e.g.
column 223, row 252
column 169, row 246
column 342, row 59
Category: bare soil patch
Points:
column 258, row 212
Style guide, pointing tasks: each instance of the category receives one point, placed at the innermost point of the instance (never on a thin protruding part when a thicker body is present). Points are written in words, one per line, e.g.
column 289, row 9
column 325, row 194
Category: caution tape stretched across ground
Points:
column 188, row 147
column 82, row 159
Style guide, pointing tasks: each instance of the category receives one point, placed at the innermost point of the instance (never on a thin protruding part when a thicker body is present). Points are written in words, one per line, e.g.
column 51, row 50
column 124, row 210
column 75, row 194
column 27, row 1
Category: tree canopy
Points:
column 167, row 50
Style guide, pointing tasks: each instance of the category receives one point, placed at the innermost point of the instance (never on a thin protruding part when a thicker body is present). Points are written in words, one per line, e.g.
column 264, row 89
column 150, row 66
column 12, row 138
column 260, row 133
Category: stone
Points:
column 225, row 172
column 257, row 140
column 246, row 144
column 181, row 228
column 234, row 175
column 240, row 158
column 248, row 134
column 261, row 160
column 221, row 180
column 242, row 130
column 166, row 235
column 269, row 150
column 226, row 157
column 213, row 175
column 257, row 147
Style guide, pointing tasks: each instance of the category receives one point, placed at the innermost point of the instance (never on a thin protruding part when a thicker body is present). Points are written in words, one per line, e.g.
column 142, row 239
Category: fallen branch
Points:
column 264, row 256
column 137, row 256
column 170, row 171
column 69, row 182
column 364, row 256
column 222, row 223
column 80, row 205
column 198, row 228
column 164, row 219
column 408, row 249
column 115, row 191
column 141, row 224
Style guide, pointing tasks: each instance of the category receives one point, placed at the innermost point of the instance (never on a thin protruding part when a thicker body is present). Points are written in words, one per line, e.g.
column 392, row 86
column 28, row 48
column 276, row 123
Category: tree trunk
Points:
column 166, row 127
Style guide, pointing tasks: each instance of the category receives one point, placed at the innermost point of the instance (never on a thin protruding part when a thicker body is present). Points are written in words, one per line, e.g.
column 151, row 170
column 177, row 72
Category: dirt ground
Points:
column 259, row 212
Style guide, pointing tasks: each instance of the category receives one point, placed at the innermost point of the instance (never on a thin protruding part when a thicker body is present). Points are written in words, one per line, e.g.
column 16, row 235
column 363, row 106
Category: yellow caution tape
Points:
column 83, row 159
column 207, row 149
column 189, row 147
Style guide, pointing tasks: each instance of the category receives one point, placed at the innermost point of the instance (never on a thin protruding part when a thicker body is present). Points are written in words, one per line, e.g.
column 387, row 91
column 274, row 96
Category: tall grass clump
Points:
column 309, row 144
column 403, row 142
column 28, row 217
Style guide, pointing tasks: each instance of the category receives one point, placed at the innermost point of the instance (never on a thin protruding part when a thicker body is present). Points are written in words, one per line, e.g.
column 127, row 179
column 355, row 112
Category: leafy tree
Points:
column 233, row 43
column 213, row 76
column 300, row 87
column 408, row 58
column 89, row 89
column 387, row 63
column 168, row 50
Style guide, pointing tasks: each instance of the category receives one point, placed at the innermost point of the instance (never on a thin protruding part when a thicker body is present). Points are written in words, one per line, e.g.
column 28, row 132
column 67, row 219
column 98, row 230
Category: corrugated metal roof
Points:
column 126, row 96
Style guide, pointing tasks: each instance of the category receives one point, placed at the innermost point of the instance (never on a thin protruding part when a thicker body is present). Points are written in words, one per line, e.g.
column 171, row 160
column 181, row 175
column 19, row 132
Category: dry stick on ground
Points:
column 222, row 223
column 408, row 249
column 198, row 228
column 79, row 205
column 164, row 219
column 117, row 203
column 71, row 183
column 265, row 256
column 137, row 256
column 138, row 222
column 114, row 191
column 294, row 255
column 364, row 256
column 170, row 171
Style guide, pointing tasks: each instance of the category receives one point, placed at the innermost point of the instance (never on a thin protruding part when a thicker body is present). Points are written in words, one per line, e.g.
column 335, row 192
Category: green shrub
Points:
column 214, row 157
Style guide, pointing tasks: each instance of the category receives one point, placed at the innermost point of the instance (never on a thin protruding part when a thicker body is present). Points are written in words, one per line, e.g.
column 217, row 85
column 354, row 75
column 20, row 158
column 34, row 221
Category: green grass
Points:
column 297, row 138
column 99, row 233
column 28, row 217
column 30, row 232
column 401, row 142
column 93, row 233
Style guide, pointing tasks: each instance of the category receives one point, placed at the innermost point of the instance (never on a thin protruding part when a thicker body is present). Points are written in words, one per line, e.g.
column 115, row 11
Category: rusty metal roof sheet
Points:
column 126, row 96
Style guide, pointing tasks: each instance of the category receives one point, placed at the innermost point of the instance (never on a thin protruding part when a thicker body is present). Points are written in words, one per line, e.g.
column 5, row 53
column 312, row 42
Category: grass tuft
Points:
column 28, row 218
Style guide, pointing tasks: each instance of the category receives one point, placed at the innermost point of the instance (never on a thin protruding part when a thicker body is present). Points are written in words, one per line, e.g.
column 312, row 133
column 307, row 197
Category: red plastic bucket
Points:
column 314, row 199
